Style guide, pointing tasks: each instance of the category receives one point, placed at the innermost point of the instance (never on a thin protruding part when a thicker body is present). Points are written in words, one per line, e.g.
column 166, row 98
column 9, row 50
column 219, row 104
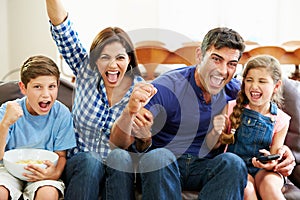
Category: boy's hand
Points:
column 39, row 173
column 13, row 113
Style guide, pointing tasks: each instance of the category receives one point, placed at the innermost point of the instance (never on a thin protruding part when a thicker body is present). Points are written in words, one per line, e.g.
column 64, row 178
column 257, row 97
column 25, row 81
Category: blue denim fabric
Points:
column 120, row 176
column 157, row 170
column 222, row 177
column 164, row 182
column 83, row 175
column 254, row 133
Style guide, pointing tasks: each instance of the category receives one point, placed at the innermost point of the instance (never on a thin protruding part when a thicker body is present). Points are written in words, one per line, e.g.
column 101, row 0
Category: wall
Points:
column 3, row 38
column 25, row 31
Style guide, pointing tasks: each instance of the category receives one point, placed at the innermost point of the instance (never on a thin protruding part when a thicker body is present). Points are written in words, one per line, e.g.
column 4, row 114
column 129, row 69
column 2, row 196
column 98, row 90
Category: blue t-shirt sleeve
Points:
column 65, row 138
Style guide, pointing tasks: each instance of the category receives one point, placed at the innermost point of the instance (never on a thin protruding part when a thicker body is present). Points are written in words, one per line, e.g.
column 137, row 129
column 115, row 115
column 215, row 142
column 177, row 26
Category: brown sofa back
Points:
column 9, row 90
column 291, row 94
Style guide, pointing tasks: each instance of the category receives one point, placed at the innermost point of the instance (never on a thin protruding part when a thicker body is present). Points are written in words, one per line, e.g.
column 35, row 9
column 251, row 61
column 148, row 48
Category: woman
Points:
column 104, row 81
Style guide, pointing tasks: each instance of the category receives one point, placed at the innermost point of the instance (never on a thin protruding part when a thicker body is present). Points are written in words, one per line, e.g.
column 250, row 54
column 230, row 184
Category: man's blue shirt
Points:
column 182, row 117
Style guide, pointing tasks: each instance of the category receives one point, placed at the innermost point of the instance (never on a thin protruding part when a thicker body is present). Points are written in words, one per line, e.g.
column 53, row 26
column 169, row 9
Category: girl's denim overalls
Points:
column 254, row 133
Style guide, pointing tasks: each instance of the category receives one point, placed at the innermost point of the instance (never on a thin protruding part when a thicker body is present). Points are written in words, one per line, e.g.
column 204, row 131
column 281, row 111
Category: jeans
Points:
column 120, row 176
column 222, row 177
column 83, row 175
column 158, row 171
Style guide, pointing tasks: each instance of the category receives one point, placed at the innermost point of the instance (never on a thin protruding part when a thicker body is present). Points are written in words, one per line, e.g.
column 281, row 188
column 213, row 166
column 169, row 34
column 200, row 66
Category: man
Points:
column 179, row 115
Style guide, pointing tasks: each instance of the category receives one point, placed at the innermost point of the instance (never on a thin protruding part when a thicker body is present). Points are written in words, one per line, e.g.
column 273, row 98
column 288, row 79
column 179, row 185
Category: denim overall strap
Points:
column 273, row 108
column 254, row 133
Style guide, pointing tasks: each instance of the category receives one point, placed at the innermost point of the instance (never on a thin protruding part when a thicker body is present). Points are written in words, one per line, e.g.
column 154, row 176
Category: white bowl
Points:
column 11, row 158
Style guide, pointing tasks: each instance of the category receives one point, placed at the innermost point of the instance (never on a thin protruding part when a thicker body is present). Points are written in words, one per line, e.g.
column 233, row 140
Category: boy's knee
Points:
column 4, row 193
column 47, row 192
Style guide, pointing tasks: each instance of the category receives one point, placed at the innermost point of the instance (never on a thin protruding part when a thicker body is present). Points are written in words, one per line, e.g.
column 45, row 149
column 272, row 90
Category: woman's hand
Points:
column 140, row 96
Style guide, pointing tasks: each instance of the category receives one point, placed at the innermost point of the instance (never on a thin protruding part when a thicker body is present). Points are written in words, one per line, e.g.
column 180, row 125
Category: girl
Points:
column 256, row 125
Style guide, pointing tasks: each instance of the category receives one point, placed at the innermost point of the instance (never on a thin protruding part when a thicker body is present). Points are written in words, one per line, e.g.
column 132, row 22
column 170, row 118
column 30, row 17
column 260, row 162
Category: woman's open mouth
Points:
column 112, row 76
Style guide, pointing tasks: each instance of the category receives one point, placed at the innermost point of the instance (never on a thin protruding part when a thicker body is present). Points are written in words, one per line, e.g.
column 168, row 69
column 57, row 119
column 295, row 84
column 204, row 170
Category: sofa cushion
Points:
column 10, row 90
column 291, row 94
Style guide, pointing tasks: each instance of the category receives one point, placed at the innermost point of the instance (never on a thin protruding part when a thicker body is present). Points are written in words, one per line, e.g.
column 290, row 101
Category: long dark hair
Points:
column 109, row 35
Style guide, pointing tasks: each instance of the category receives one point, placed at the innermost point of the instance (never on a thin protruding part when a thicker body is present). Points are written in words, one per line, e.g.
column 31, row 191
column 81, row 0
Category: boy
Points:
column 38, row 121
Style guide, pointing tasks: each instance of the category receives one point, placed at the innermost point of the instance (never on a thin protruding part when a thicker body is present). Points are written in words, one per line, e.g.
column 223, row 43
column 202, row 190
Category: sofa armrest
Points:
column 9, row 90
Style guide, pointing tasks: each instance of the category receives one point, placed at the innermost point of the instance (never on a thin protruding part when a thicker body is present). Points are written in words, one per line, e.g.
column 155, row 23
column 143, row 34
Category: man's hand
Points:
column 219, row 123
column 141, row 129
column 287, row 163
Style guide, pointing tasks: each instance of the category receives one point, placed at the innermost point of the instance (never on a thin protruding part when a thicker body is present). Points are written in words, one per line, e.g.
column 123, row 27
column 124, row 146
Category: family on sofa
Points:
column 120, row 129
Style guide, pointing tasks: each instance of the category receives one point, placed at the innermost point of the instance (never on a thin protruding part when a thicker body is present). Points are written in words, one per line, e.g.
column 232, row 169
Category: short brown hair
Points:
column 222, row 37
column 36, row 66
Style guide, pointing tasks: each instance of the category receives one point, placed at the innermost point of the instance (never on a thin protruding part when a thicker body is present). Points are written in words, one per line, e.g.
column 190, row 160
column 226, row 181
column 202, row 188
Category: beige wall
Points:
column 25, row 31
column 3, row 39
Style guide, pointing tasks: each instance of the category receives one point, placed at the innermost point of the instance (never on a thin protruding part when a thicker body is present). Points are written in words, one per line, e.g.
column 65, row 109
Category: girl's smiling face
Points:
column 260, row 87
column 41, row 94
column 112, row 64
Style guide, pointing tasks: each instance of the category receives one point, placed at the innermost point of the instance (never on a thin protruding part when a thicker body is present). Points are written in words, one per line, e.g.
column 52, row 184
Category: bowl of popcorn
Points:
column 16, row 160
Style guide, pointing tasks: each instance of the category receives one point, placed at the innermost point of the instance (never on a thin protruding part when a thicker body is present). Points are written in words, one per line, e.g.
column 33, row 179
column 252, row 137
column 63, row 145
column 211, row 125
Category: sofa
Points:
column 9, row 90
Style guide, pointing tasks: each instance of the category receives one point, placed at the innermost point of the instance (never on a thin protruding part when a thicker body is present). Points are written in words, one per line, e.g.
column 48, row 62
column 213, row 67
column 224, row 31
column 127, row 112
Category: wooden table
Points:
column 286, row 54
column 150, row 56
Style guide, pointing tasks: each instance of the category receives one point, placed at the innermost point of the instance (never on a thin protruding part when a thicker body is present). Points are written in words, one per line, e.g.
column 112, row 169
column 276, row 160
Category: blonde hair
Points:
column 272, row 65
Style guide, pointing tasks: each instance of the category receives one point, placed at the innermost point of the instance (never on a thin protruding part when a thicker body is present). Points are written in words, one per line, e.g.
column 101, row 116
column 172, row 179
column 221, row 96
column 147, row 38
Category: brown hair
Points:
column 267, row 62
column 36, row 66
column 109, row 35
column 222, row 37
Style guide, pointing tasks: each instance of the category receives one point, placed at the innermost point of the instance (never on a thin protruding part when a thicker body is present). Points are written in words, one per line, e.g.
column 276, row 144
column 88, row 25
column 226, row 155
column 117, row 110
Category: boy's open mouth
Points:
column 44, row 104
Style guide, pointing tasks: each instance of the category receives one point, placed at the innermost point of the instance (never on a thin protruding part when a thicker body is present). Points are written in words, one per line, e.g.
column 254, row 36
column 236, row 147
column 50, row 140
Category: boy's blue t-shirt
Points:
column 53, row 132
column 182, row 118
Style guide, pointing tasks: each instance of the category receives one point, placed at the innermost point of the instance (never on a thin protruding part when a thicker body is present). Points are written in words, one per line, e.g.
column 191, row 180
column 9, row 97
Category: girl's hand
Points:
column 268, row 165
